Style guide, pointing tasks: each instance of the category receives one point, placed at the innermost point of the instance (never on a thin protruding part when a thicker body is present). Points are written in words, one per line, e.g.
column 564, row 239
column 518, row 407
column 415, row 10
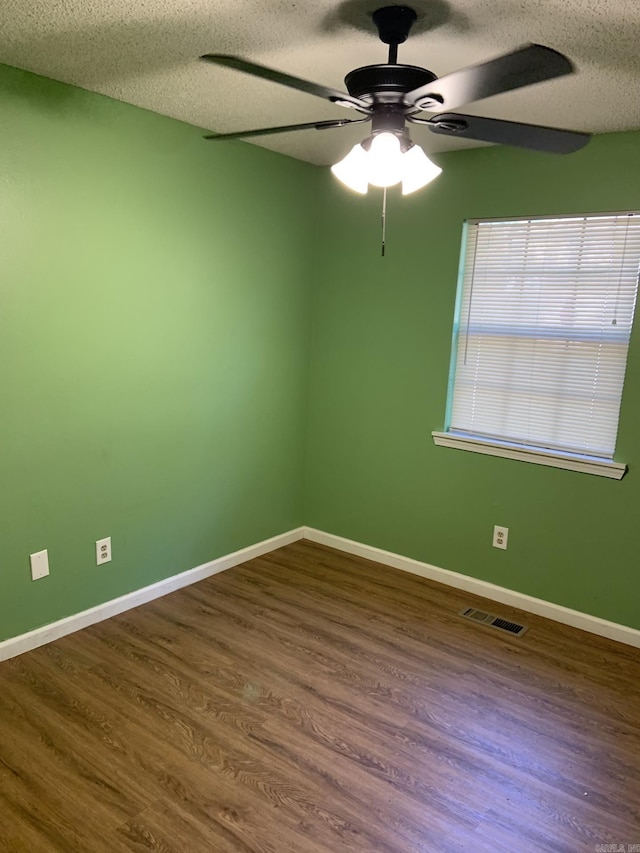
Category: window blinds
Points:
column 542, row 330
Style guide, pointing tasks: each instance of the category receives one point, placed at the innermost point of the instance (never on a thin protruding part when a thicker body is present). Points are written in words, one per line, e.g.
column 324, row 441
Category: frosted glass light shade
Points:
column 418, row 170
column 352, row 170
column 384, row 164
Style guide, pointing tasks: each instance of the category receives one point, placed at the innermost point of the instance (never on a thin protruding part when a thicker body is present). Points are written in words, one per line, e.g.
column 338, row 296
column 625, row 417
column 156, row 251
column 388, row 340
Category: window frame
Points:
column 557, row 458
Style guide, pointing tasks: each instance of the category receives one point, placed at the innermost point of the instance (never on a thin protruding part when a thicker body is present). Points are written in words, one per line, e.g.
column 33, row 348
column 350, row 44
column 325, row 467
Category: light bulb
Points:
column 352, row 169
column 384, row 166
column 418, row 170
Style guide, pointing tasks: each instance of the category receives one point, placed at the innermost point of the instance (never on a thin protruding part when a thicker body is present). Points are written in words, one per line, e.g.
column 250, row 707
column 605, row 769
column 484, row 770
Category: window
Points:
column 541, row 334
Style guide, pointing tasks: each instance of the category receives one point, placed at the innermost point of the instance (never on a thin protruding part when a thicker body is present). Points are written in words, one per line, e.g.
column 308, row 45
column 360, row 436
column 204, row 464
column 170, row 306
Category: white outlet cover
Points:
column 103, row 551
column 39, row 565
column 500, row 537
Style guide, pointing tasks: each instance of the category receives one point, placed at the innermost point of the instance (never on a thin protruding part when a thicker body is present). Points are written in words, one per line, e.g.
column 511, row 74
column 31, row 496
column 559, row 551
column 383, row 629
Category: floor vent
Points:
column 493, row 621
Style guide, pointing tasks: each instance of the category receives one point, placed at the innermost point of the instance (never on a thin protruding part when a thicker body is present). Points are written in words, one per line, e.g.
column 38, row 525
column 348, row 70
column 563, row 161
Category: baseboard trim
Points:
column 47, row 633
column 593, row 624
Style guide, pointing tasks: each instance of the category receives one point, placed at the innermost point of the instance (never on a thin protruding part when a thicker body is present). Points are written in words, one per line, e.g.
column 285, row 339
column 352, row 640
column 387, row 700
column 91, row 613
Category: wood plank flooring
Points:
column 311, row 702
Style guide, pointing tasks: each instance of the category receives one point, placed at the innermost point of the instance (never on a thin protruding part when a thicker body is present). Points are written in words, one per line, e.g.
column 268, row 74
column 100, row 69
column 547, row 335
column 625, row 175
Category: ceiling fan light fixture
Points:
column 418, row 170
column 384, row 160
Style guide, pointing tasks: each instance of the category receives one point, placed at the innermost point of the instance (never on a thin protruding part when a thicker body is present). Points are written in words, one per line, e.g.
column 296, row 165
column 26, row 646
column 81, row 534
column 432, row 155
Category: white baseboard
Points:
column 47, row 633
column 593, row 624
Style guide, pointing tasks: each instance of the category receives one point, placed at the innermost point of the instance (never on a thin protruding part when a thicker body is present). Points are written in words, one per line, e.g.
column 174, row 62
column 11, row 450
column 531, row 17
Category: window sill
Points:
column 539, row 456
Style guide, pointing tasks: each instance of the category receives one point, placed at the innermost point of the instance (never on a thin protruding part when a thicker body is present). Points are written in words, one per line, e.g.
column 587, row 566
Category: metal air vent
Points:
column 492, row 621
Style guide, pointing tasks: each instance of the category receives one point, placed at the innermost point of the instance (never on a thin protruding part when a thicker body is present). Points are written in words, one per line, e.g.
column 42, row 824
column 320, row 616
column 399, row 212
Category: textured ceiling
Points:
column 146, row 53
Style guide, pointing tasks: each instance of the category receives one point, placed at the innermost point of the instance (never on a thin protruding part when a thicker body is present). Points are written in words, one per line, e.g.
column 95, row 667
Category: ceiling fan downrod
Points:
column 394, row 25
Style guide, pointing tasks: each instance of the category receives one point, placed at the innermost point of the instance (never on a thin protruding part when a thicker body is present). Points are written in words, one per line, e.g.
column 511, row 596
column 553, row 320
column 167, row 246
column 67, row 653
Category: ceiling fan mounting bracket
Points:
column 394, row 23
column 451, row 125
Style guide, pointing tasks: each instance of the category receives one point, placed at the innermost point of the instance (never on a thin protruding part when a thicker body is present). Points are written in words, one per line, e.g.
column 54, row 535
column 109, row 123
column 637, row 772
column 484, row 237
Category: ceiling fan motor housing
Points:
column 386, row 84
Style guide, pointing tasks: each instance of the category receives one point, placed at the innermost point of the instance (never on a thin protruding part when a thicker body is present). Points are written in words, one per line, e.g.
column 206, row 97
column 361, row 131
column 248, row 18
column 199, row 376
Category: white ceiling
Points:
column 146, row 53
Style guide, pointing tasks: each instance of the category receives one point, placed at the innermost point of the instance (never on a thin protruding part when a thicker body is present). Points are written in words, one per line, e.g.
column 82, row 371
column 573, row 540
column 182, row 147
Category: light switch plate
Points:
column 39, row 565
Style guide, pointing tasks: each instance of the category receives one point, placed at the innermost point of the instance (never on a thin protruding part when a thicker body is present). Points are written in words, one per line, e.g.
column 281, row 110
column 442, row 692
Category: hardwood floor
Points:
column 310, row 701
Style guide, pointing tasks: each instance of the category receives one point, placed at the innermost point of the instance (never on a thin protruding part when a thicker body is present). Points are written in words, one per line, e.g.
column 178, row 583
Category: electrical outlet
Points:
column 103, row 551
column 39, row 565
column 500, row 537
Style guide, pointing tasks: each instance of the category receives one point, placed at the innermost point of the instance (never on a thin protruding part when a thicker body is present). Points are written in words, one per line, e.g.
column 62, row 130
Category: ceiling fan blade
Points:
column 532, row 136
column 265, row 131
column 333, row 95
column 529, row 64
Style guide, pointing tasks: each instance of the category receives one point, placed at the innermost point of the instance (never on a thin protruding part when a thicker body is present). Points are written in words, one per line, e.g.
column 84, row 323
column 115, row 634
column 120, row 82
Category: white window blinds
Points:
column 542, row 330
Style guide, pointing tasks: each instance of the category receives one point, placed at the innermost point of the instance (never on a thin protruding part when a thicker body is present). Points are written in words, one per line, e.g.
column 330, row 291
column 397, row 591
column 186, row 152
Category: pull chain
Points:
column 384, row 218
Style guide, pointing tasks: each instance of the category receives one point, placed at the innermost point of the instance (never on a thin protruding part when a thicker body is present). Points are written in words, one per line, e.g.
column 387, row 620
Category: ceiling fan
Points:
column 391, row 95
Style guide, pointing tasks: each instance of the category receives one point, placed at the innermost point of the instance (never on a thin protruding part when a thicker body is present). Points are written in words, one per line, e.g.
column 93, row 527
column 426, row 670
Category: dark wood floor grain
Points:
column 310, row 702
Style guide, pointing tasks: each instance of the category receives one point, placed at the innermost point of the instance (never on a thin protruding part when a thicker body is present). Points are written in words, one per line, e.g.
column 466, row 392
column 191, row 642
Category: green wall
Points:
column 381, row 347
column 158, row 295
column 153, row 346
